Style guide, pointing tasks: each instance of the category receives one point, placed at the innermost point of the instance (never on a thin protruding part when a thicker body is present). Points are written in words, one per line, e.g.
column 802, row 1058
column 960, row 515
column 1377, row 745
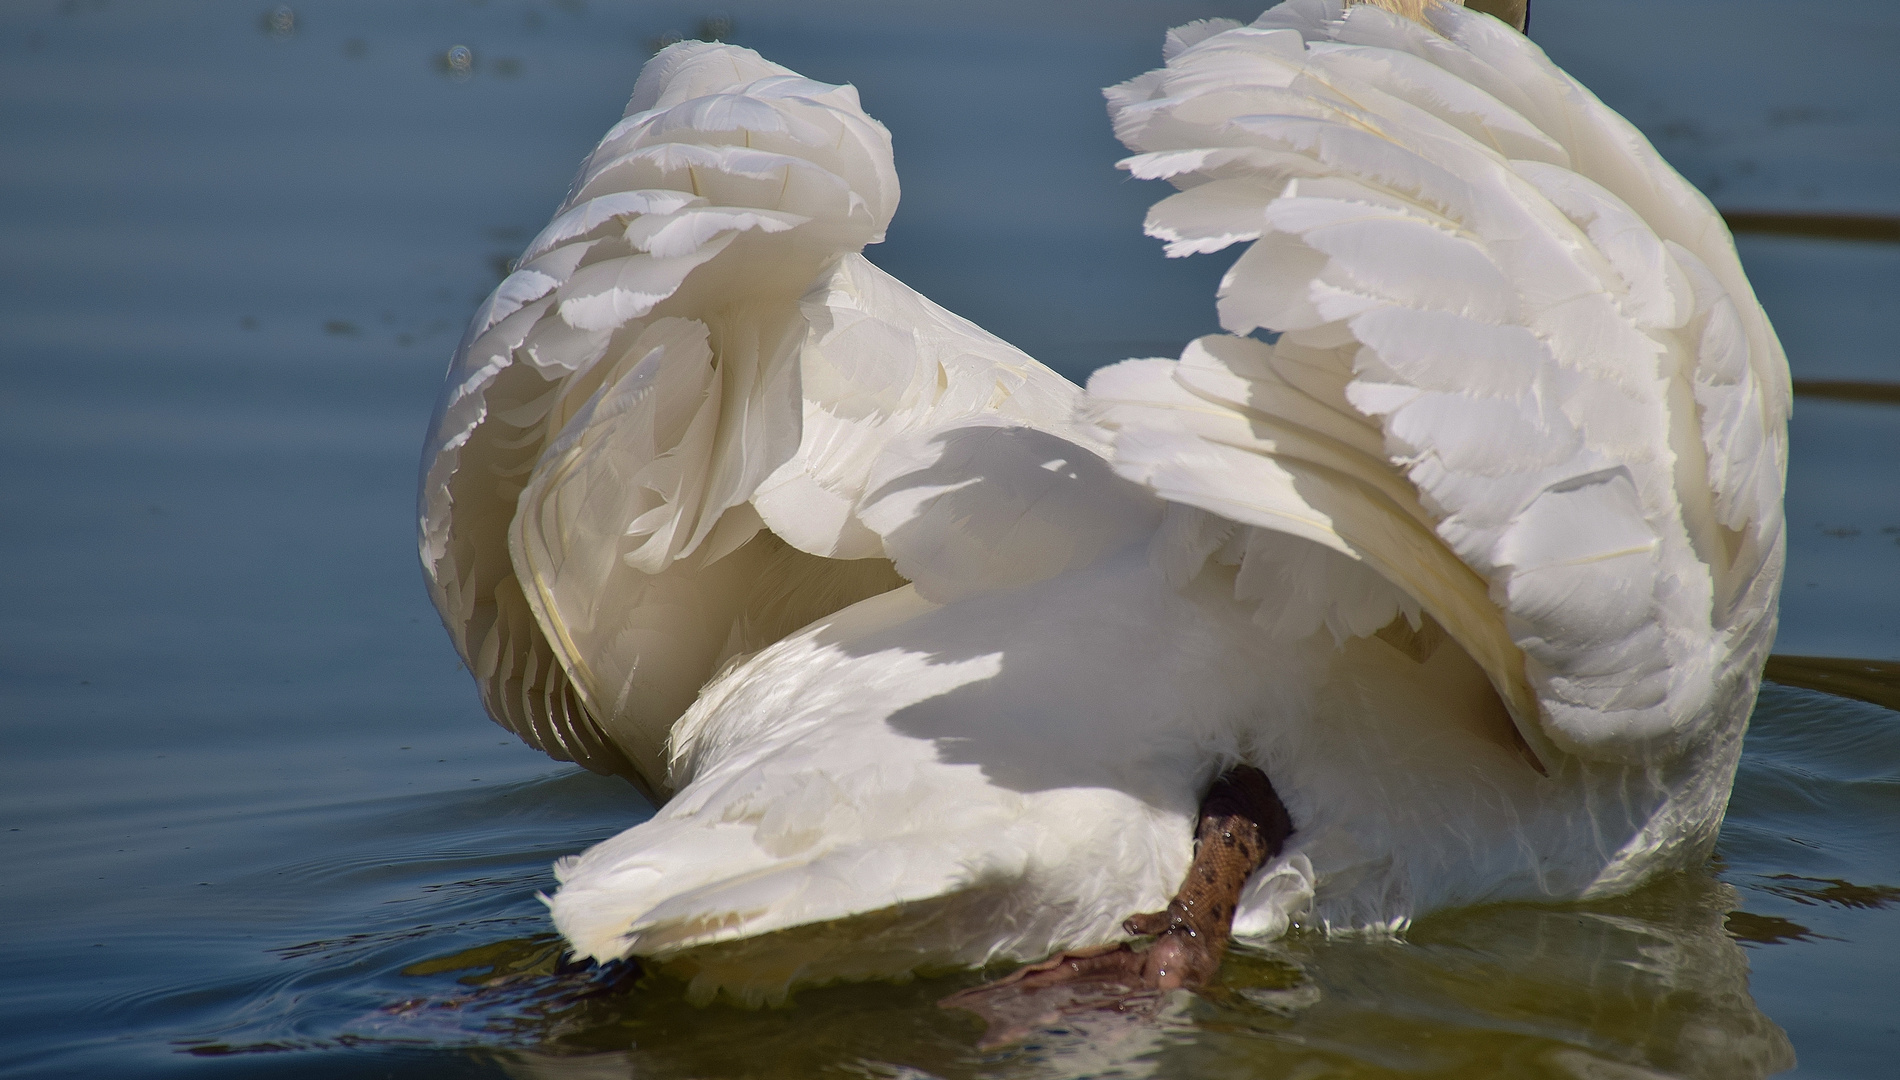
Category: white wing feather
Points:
column 652, row 443
column 1522, row 397
column 1521, row 374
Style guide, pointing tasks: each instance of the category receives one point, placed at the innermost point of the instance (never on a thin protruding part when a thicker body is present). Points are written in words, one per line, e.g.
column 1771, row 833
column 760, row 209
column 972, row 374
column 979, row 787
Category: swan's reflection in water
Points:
column 1639, row 986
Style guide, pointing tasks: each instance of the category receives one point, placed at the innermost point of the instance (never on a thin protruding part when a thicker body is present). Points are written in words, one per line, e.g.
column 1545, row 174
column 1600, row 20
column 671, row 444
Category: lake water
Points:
column 252, row 818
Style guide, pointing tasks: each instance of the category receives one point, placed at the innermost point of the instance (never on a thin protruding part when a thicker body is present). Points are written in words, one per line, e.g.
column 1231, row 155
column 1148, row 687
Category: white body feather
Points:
column 1477, row 561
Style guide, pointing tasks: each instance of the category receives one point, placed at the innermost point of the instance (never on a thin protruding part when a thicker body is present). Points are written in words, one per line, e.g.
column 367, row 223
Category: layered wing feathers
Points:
column 652, row 445
column 1520, row 341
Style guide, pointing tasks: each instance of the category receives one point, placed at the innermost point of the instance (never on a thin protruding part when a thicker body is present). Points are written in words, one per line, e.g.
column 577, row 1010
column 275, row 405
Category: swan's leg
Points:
column 1243, row 824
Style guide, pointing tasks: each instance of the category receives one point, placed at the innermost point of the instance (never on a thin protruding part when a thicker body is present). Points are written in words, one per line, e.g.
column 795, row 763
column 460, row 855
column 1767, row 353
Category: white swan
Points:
column 932, row 657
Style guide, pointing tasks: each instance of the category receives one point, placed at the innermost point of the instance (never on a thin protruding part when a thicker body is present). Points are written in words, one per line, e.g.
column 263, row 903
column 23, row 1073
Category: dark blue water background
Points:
column 245, row 784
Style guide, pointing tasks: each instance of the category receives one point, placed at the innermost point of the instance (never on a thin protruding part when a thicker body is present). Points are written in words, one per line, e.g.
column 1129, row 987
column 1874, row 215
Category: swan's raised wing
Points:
column 650, row 451
column 1520, row 374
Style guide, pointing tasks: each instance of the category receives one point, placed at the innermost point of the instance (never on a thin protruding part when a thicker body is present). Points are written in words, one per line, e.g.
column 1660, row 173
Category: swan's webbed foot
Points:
column 1243, row 824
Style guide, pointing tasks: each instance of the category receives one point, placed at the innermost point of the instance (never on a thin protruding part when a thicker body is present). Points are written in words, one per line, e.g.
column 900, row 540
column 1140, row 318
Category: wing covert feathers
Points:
column 1519, row 373
column 649, row 451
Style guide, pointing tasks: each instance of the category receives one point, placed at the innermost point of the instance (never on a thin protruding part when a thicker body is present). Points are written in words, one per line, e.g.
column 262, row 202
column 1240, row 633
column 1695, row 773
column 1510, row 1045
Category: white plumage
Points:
column 931, row 655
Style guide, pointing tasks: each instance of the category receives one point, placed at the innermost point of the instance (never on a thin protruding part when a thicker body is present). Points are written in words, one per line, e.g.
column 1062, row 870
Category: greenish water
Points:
column 253, row 820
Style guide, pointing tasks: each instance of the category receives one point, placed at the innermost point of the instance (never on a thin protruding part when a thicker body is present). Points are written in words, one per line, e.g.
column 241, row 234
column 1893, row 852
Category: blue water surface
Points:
column 248, row 800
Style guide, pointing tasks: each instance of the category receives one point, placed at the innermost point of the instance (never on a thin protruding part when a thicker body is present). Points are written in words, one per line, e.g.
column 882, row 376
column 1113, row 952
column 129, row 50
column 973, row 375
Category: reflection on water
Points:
column 1804, row 890
column 422, row 931
column 1652, row 984
column 1656, row 983
column 254, row 823
column 1645, row 985
column 1764, row 929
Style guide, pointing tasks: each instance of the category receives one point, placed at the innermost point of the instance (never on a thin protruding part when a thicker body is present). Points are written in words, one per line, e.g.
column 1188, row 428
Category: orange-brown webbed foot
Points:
column 1243, row 824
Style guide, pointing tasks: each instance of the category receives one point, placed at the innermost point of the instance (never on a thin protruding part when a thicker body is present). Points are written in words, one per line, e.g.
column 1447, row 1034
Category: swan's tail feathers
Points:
column 722, row 886
column 674, row 889
column 1518, row 371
